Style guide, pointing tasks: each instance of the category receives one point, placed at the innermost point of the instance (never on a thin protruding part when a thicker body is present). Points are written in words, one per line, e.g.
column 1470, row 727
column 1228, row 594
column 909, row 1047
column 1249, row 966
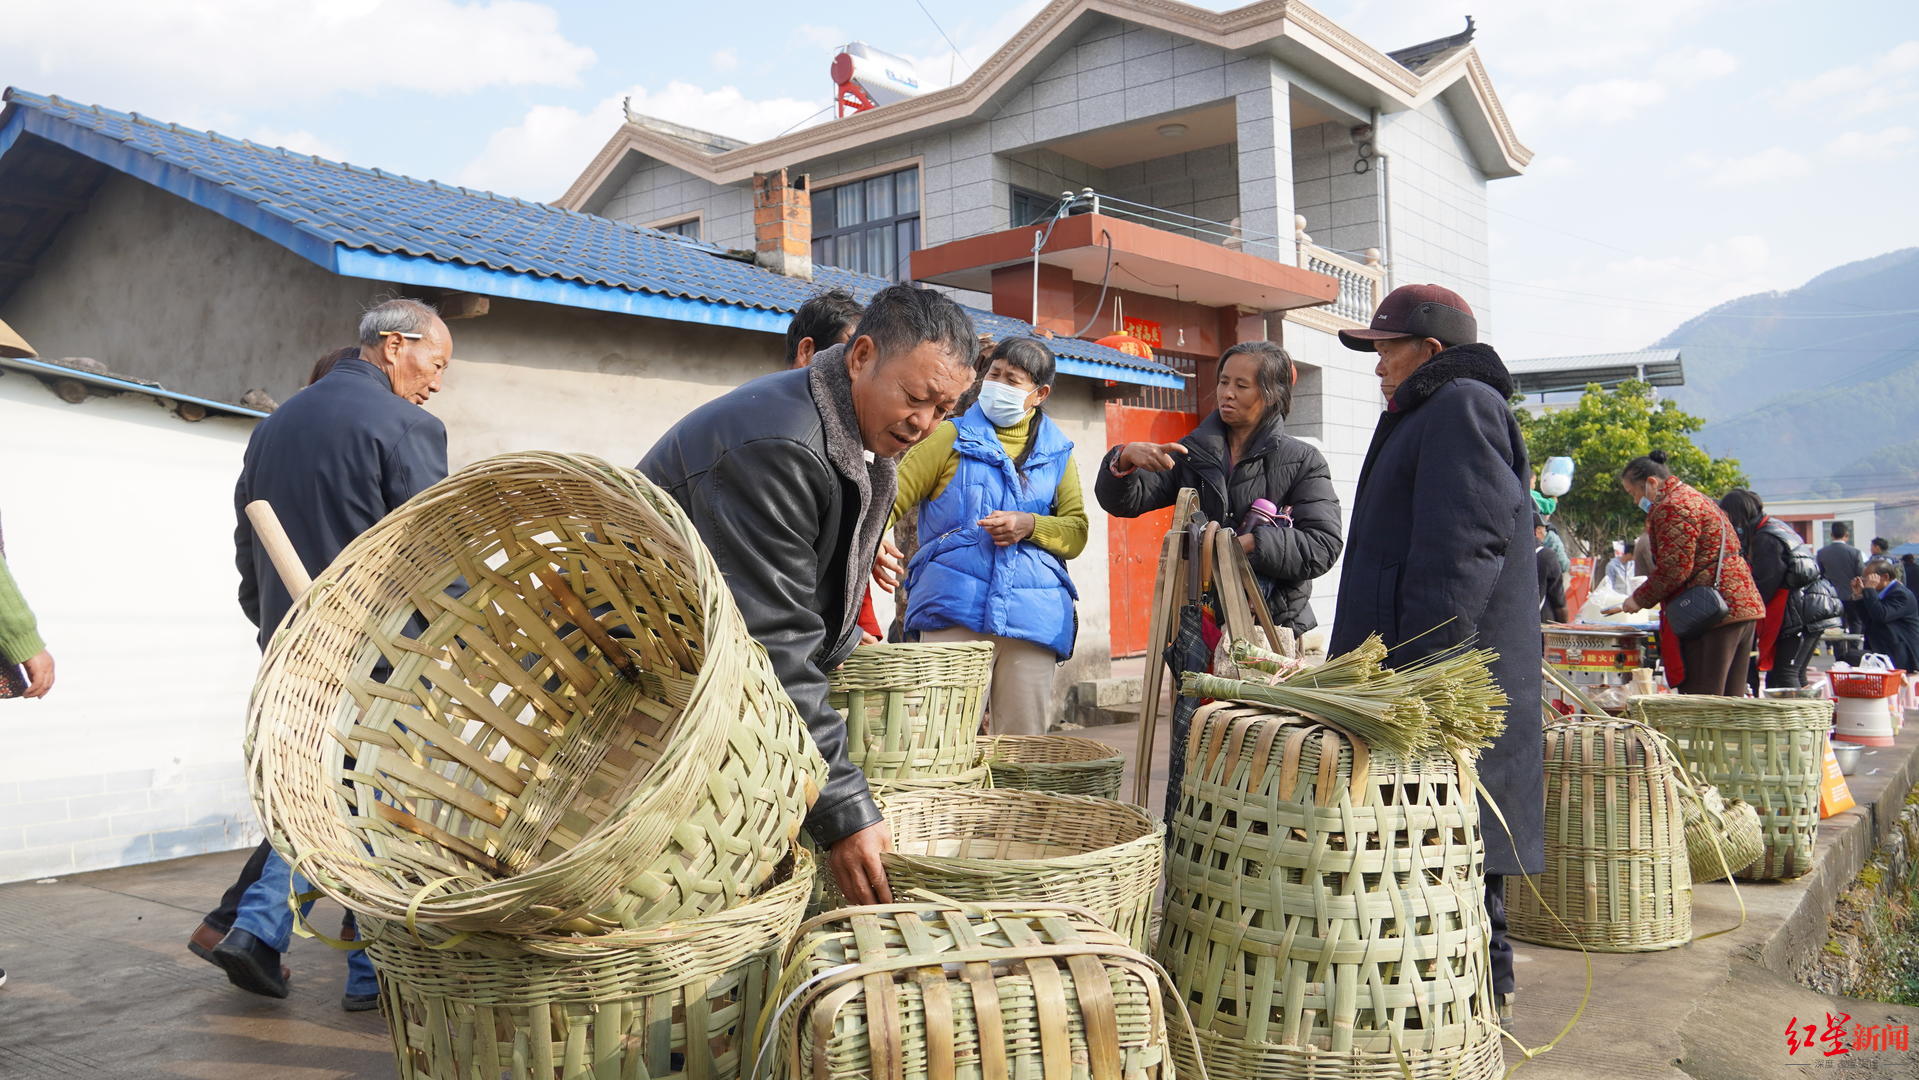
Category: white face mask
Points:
column 1004, row 405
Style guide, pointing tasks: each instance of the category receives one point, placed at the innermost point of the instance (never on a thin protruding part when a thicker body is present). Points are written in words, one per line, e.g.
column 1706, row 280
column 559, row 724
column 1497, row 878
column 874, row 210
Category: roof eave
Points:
column 1286, row 28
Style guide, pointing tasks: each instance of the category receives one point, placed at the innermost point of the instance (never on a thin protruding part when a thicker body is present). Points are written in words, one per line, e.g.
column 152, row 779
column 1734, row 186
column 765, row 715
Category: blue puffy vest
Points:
column 959, row 577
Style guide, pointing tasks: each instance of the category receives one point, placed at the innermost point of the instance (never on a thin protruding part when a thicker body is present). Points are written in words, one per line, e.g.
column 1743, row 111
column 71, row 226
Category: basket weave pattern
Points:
column 913, row 710
column 1032, row 847
column 1325, row 905
column 1067, row 764
column 1722, row 838
column 922, row 991
column 1616, row 877
column 1768, row 753
column 433, row 736
column 668, row 1003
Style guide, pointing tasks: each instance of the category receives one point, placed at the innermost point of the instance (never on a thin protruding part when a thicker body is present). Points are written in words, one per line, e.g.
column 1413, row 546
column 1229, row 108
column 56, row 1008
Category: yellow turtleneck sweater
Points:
column 928, row 467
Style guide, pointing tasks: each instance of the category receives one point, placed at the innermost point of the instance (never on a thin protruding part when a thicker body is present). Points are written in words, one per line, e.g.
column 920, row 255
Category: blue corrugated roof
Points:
column 370, row 223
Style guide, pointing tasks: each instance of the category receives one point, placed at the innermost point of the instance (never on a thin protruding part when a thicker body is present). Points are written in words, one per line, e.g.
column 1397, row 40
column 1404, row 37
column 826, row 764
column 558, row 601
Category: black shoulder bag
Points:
column 1700, row 608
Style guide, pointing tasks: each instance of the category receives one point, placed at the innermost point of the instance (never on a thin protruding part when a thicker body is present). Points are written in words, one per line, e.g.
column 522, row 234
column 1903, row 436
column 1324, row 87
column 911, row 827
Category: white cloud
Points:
column 1600, row 104
column 545, row 151
column 167, row 58
column 1689, row 67
column 724, row 59
column 1889, row 79
column 1770, row 165
column 1884, row 145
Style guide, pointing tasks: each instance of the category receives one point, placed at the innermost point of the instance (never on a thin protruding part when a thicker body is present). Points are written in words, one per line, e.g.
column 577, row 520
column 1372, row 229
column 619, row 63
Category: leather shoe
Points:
column 205, row 937
column 359, row 1002
column 251, row 964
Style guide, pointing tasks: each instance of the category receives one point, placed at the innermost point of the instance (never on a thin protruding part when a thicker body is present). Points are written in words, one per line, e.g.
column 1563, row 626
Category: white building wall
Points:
column 1341, row 207
column 658, row 194
column 119, row 528
column 1438, row 207
column 1336, row 402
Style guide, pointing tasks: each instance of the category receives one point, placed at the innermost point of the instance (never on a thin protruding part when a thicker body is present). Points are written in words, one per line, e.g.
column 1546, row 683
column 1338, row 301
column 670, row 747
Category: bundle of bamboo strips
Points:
column 1444, row 702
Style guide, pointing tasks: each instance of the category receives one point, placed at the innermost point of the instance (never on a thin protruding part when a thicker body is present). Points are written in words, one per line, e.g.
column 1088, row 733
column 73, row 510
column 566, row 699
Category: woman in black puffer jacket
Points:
column 1795, row 616
column 1240, row 453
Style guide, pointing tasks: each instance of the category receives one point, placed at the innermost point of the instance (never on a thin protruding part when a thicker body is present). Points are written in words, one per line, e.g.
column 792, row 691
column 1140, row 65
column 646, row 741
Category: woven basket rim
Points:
column 1117, row 813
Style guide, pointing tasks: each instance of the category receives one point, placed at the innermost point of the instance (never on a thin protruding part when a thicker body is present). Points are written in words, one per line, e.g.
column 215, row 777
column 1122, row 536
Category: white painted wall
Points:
column 119, row 528
column 1438, row 207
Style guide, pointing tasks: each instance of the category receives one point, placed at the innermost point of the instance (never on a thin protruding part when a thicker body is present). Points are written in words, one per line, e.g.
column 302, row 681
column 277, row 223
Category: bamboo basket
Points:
column 1722, row 838
column 676, row 1002
column 1325, row 908
column 969, row 992
column 522, row 692
column 1766, row 752
column 913, row 710
column 1066, row 764
column 974, row 779
column 1031, row 847
column 1616, row 877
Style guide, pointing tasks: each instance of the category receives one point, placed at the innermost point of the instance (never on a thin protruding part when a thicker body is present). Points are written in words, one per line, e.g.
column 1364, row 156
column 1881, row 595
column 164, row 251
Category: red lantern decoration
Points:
column 1128, row 344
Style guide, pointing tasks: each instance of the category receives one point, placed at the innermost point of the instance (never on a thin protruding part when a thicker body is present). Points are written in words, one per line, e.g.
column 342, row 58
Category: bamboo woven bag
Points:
column 675, row 1002
column 965, row 992
column 1066, row 764
column 1325, row 912
column 515, row 699
column 1722, row 838
column 1616, row 877
column 913, row 710
column 1765, row 752
column 1029, row 846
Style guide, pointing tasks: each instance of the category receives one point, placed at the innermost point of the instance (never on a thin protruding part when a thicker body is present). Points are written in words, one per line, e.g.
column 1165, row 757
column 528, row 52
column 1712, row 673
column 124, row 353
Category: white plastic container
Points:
column 1866, row 721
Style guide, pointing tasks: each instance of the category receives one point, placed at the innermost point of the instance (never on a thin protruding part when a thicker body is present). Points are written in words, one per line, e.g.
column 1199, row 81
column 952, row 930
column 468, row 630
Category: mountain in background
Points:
column 1815, row 390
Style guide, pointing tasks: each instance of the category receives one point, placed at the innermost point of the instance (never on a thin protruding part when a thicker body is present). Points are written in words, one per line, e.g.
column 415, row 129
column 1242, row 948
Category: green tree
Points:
column 1604, row 431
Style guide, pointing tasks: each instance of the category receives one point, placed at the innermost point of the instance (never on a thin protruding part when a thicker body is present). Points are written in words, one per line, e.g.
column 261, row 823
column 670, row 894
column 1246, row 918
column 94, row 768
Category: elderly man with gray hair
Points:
column 332, row 461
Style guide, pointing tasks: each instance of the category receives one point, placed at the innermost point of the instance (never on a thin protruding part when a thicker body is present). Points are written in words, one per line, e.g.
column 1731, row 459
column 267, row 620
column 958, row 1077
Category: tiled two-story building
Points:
column 1198, row 177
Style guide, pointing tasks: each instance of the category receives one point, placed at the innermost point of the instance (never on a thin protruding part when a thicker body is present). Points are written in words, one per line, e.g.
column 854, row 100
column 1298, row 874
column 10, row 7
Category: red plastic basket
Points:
column 1866, row 684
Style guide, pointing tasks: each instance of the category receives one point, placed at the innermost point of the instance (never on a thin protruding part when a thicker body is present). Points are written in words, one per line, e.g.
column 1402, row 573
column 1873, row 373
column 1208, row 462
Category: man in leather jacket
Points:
column 789, row 480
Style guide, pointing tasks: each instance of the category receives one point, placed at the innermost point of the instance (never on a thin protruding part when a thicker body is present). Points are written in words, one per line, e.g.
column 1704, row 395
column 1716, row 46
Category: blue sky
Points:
column 1688, row 151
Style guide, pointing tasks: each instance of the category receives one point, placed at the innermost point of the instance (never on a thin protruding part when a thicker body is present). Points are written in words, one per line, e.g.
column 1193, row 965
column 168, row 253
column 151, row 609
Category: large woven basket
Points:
column 523, row 695
column 1616, row 877
column 925, row 991
column 1029, row 846
column 1722, row 838
column 676, row 1002
column 913, row 710
column 1066, row 764
column 1766, row 752
column 1325, row 907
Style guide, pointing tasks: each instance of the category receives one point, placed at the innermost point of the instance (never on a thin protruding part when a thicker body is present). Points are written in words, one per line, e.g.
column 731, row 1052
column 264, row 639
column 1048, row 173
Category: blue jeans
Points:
column 263, row 912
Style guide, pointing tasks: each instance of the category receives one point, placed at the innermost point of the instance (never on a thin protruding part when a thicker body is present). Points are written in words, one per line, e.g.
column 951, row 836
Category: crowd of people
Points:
column 896, row 420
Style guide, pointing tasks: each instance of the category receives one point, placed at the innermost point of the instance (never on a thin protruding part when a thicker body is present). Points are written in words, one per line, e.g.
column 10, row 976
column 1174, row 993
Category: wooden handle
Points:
column 267, row 530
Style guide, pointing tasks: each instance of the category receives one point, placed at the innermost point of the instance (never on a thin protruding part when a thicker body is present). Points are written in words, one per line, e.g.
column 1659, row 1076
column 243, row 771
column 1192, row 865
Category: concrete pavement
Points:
column 101, row 984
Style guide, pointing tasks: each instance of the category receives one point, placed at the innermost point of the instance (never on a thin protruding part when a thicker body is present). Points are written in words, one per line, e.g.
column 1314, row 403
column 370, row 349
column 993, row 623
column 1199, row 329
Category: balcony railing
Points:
column 1360, row 284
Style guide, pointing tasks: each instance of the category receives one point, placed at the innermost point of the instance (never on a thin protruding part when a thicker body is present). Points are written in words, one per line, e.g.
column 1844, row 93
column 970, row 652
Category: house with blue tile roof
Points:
column 1200, row 175
column 176, row 283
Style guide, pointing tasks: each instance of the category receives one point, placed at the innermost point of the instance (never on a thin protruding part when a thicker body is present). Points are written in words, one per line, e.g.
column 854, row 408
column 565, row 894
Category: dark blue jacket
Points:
column 1441, row 552
column 332, row 461
column 1892, row 624
column 959, row 577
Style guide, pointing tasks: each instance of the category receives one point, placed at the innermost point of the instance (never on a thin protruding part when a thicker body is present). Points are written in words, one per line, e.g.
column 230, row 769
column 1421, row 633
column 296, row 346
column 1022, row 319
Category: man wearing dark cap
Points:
column 1442, row 552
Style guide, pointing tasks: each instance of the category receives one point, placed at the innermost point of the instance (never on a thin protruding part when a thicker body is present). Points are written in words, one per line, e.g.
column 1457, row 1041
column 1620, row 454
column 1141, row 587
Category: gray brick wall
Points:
column 657, row 192
column 1323, row 157
column 1199, row 183
column 71, row 824
column 1439, row 206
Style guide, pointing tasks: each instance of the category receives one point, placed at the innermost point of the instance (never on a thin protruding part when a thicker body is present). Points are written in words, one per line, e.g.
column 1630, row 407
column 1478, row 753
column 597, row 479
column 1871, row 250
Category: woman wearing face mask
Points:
column 1693, row 544
column 1239, row 455
column 1000, row 511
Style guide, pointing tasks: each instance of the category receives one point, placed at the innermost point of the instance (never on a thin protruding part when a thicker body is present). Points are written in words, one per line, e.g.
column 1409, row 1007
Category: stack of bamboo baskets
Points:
column 520, row 729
